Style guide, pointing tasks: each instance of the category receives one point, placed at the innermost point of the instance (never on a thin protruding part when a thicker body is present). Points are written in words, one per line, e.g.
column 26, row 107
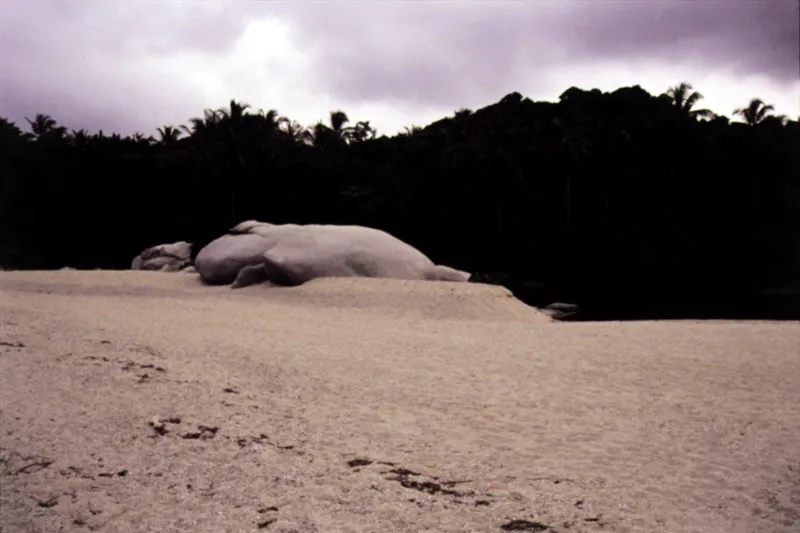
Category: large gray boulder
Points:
column 292, row 254
column 221, row 260
column 164, row 257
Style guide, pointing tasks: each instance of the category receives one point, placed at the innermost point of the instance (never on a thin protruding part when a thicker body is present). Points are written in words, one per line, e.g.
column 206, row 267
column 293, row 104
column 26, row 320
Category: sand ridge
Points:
column 140, row 401
column 434, row 300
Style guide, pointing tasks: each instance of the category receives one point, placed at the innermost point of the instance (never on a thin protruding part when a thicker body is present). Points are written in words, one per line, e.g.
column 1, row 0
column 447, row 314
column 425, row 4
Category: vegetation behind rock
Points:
column 595, row 189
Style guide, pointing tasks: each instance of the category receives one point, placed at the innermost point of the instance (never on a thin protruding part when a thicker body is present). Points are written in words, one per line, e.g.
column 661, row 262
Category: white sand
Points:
column 678, row 426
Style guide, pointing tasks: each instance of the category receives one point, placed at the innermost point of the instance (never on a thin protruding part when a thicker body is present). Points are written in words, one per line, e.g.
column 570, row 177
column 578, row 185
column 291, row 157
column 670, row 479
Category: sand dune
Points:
column 142, row 401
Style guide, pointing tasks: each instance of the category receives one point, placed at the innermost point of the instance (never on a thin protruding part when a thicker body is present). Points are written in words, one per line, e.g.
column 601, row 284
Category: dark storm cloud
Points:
column 436, row 53
column 423, row 53
column 86, row 61
column 744, row 36
column 77, row 60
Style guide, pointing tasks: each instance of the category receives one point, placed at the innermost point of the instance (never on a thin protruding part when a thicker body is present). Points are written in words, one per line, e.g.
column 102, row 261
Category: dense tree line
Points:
column 597, row 188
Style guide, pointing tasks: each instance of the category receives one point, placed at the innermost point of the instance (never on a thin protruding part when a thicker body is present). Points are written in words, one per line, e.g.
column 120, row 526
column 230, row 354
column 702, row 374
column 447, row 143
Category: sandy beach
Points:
column 143, row 401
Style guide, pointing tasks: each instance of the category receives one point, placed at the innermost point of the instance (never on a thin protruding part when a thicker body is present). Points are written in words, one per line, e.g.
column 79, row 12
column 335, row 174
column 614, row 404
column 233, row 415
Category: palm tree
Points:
column 264, row 127
column 491, row 148
column 235, row 121
column 203, row 126
column 335, row 134
column 410, row 131
column 10, row 129
column 79, row 138
column 141, row 138
column 294, row 131
column 361, row 132
column 270, row 120
column 571, row 148
column 684, row 98
column 168, row 135
column 338, row 120
column 45, row 126
column 235, row 112
column 756, row 112
column 321, row 135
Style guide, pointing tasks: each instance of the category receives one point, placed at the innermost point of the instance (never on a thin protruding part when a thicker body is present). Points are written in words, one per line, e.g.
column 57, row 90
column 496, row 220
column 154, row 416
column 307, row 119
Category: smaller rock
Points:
column 562, row 311
column 173, row 257
column 158, row 425
column 265, row 523
column 285, row 526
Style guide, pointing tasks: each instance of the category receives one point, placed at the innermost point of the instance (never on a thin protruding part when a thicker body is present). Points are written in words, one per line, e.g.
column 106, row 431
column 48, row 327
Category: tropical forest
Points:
column 630, row 204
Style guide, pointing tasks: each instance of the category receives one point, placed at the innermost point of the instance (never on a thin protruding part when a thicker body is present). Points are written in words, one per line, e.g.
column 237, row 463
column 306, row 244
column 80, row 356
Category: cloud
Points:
column 759, row 38
column 92, row 62
column 435, row 53
column 421, row 53
column 126, row 66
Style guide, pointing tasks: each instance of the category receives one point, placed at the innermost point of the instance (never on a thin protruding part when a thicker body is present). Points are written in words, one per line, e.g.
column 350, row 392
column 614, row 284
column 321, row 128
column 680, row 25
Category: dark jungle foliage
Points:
column 603, row 198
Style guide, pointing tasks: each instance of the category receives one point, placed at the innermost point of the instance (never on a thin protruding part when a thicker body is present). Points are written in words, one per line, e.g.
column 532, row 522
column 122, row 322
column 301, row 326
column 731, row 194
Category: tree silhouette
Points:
column 684, row 98
column 587, row 194
column 295, row 132
column 204, row 126
column 338, row 120
column 43, row 126
column 10, row 130
column 360, row 132
column 408, row 131
column 756, row 112
column 571, row 148
column 168, row 135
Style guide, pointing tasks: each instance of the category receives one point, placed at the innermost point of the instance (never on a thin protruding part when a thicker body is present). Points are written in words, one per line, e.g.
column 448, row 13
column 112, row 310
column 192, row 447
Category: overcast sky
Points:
column 134, row 65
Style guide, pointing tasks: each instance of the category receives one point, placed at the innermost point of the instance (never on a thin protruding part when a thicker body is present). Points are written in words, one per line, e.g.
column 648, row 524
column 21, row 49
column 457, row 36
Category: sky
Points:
column 134, row 65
